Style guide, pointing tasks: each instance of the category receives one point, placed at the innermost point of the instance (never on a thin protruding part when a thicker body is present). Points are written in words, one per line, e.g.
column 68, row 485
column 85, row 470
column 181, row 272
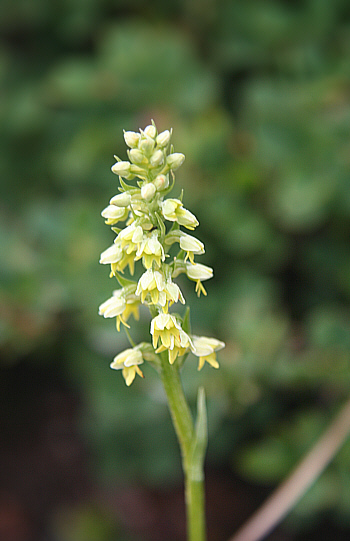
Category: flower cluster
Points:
column 151, row 229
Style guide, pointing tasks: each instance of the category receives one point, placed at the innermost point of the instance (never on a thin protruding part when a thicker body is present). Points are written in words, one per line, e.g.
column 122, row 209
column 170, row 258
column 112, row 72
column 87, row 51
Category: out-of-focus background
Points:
column 258, row 95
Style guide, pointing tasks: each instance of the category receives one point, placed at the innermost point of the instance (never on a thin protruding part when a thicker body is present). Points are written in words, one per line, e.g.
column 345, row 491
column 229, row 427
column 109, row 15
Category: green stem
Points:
column 192, row 462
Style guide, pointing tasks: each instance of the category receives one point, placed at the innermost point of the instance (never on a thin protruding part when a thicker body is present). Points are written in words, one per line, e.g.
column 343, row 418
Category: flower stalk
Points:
column 152, row 235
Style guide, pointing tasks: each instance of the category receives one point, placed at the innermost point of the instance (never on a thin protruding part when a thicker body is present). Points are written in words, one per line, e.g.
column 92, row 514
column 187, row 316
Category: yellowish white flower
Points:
column 114, row 307
column 131, row 138
column 113, row 254
column 172, row 210
column 205, row 348
column 191, row 246
column 150, row 131
column 121, row 305
column 121, row 200
column 163, row 139
column 157, row 158
column 147, row 191
column 114, row 214
column 128, row 361
column 175, row 160
column 137, row 157
column 166, row 330
column 198, row 273
column 160, row 289
column 153, row 283
column 150, row 249
column 161, row 182
column 121, row 168
column 131, row 237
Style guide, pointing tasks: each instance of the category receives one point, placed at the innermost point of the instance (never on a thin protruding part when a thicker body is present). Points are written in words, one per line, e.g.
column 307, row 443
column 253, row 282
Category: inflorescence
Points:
column 148, row 237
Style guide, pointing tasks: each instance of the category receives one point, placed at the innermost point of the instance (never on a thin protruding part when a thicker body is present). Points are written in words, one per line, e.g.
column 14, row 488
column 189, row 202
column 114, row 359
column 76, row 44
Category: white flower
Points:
column 168, row 331
column 152, row 282
column 131, row 138
column 157, row 158
column 137, row 157
column 114, row 214
column 173, row 211
column 121, row 168
column 161, row 182
column 198, row 273
column 131, row 237
column 191, row 246
column 150, row 249
column 163, row 139
column 205, row 348
column 175, row 160
column 113, row 254
column 128, row 361
column 121, row 200
column 147, row 191
column 114, row 306
column 150, row 131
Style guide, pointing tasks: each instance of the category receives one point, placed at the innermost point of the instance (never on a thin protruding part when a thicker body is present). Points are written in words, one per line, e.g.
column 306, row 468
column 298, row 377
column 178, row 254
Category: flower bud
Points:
column 148, row 191
column 150, row 131
column 163, row 139
column 121, row 168
column 146, row 145
column 137, row 157
column 175, row 160
column 131, row 138
column 157, row 158
column 161, row 182
column 121, row 200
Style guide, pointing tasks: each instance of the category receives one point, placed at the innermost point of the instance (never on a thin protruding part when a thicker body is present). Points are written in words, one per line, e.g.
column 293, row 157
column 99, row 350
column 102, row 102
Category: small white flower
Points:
column 150, row 131
column 175, row 160
column 152, row 282
column 113, row 254
column 198, row 273
column 205, row 348
column 147, row 191
column 150, row 249
column 131, row 138
column 114, row 306
column 137, row 157
column 191, row 246
column 173, row 338
column 173, row 211
column 163, row 139
column 121, row 168
column 121, row 200
column 128, row 361
column 114, row 214
column 157, row 158
column 161, row 182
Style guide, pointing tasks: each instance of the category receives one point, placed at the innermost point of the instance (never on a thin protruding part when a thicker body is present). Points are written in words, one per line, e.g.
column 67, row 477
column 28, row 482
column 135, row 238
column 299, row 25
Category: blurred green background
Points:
column 258, row 95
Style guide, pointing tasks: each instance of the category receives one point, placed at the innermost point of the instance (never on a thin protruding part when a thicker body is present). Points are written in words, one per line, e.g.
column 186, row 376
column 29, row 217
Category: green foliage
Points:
column 258, row 96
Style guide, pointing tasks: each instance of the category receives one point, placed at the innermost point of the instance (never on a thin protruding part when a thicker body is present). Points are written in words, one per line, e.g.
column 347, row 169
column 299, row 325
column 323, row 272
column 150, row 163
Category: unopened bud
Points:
column 121, row 168
column 148, row 191
column 150, row 131
column 146, row 145
column 174, row 161
column 137, row 157
column 161, row 182
column 121, row 200
column 131, row 138
column 157, row 158
column 163, row 138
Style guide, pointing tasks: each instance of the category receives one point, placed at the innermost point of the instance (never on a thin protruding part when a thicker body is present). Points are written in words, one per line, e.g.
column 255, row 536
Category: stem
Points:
column 192, row 464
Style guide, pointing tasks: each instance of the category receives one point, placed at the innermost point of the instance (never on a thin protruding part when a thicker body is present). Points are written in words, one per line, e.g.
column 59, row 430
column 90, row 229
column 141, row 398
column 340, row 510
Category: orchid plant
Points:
column 151, row 234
